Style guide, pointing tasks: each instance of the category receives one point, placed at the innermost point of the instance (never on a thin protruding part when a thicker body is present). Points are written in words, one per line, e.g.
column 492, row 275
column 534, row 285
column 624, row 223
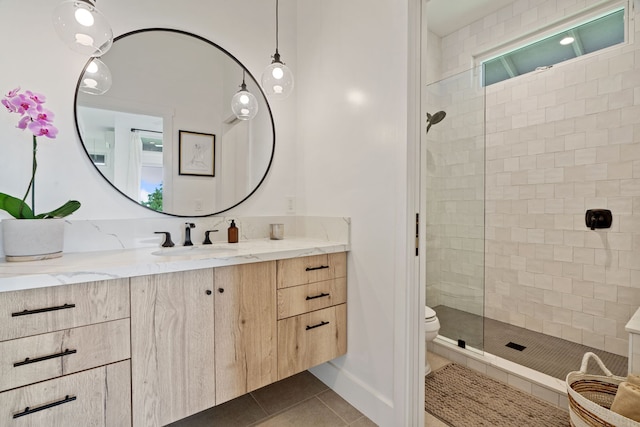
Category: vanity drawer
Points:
column 315, row 296
column 316, row 268
column 311, row 339
column 41, row 357
column 37, row 311
column 97, row 397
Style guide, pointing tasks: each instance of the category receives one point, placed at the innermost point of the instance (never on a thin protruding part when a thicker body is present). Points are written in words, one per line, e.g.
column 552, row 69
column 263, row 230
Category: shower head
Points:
column 436, row 118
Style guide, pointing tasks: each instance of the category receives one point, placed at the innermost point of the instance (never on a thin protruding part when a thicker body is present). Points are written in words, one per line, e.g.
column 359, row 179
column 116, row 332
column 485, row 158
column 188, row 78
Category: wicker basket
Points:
column 591, row 396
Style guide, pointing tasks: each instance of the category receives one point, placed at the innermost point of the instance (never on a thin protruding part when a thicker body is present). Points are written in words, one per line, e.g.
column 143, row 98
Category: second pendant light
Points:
column 244, row 104
column 277, row 78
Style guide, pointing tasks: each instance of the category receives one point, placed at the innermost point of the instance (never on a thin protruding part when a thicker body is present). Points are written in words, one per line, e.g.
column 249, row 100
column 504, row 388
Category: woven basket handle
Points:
column 585, row 361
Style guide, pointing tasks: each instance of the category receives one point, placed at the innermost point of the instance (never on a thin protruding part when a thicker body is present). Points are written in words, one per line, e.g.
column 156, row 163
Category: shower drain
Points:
column 515, row 346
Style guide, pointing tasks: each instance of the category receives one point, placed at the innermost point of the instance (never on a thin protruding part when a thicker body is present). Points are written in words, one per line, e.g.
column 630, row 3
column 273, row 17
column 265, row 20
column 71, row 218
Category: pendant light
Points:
column 277, row 79
column 244, row 104
column 82, row 27
column 96, row 79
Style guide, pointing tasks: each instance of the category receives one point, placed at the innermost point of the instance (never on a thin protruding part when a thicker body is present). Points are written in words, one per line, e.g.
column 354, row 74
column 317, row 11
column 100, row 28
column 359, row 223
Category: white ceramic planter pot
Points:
column 32, row 239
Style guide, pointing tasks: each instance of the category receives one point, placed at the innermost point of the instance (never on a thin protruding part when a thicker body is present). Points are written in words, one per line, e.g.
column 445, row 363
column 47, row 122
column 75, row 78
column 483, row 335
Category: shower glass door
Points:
column 452, row 176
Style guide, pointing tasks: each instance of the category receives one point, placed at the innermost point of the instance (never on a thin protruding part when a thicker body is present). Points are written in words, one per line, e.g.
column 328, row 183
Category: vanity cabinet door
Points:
column 245, row 329
column 172, row 346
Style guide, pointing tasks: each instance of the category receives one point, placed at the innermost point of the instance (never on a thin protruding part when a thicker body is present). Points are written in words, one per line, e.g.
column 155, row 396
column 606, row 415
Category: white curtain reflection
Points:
column 134, row 166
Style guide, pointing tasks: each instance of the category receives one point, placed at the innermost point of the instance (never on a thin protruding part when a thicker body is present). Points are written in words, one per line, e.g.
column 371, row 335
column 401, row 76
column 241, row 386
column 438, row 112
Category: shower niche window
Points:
column 599, row 32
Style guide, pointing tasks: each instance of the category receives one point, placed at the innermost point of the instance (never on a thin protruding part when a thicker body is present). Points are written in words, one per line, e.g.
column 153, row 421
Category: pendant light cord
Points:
column 276, row 26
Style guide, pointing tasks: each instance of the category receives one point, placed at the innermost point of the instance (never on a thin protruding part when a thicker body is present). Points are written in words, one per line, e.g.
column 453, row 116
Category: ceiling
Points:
column 446, row 16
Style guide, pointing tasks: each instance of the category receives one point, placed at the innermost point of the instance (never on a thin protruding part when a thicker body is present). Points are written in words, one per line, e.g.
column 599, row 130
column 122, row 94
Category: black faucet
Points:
column 168, row 243
column 207, row 240
column 187, row 233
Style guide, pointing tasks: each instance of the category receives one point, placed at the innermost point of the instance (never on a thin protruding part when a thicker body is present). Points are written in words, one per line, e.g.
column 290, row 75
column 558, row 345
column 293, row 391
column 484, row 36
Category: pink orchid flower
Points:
column 9, row 106
column 36, row 97
column 42, row 128
column 42, row 114
column 22, row 103
column 13, row 92
column 23, row 122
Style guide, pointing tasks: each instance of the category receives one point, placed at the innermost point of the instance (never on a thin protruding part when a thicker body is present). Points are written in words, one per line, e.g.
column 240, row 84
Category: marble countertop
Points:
column 633, row 325
column 103, row 265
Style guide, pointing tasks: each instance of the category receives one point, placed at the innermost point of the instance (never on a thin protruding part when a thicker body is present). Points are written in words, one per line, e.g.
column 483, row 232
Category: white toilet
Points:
column 431, row 328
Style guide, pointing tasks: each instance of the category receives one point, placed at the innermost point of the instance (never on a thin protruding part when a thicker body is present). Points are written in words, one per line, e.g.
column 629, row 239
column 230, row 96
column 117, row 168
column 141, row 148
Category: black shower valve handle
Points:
column 598, row 218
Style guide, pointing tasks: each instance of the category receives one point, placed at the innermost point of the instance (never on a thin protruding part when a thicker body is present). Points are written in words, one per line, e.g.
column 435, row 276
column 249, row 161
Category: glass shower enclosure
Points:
column 453, row 184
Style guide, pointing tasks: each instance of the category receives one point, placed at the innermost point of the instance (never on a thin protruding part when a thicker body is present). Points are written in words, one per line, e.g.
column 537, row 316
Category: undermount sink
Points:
column 194, row 250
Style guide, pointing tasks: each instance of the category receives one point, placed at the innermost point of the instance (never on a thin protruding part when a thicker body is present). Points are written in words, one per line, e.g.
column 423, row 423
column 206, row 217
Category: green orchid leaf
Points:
column 67, row 209
column 15, row 207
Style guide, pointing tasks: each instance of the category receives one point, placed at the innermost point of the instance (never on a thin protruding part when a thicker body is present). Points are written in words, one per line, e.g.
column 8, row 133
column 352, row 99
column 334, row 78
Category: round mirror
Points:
column 164, row 134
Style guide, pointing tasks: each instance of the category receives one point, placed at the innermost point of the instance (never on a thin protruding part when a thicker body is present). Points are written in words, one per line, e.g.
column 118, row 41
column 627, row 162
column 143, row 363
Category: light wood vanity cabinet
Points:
column 203, row 337
column 172, row 350
column 312, row 311
column 64, row 355
column 150, row 350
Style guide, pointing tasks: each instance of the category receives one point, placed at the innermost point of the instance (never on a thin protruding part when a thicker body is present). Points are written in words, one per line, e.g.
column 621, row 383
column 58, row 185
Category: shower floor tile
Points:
column 550, row 355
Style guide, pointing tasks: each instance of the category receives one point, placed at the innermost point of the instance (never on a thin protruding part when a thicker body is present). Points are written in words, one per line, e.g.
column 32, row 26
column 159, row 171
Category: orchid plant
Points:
column 38, row 120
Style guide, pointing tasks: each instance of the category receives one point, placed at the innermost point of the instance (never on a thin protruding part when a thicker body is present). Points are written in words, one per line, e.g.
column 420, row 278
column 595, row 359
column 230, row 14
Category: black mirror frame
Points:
column 273, row 127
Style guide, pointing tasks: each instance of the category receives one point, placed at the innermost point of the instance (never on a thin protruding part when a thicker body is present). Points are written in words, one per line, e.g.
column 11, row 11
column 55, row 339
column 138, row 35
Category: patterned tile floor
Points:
column 298, row 401
column 544, row 353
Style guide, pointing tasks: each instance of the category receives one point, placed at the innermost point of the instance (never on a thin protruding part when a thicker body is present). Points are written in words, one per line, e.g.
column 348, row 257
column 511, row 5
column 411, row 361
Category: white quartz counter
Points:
column 102, row 265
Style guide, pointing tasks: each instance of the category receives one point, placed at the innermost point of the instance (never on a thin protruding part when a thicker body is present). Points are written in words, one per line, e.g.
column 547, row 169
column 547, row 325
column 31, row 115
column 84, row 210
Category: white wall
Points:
column 352, row 123
column 341, row 146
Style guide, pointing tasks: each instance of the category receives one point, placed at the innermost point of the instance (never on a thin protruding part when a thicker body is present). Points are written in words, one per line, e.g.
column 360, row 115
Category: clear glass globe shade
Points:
column 277, row 81
column 244, row 105
column 96, row 79
column 82, row 27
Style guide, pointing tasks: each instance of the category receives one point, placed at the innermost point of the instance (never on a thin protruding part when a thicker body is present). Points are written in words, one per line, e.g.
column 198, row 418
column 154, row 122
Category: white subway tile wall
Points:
column 558, row 142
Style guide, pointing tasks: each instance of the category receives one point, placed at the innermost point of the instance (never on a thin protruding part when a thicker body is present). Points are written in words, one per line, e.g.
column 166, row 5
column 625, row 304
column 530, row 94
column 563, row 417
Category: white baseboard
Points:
column 375, row 406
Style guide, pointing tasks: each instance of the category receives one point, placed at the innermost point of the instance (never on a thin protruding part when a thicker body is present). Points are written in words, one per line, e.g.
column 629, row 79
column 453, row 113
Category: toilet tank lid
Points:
column 428, row 312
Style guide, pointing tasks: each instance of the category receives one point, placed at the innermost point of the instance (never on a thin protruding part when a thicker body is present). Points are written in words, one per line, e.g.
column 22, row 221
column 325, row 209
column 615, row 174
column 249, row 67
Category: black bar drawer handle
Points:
column 318, row 325
column 318, row 296
column 40, row 359
column 322, row 267
column 42, row 310
column 29, row 410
